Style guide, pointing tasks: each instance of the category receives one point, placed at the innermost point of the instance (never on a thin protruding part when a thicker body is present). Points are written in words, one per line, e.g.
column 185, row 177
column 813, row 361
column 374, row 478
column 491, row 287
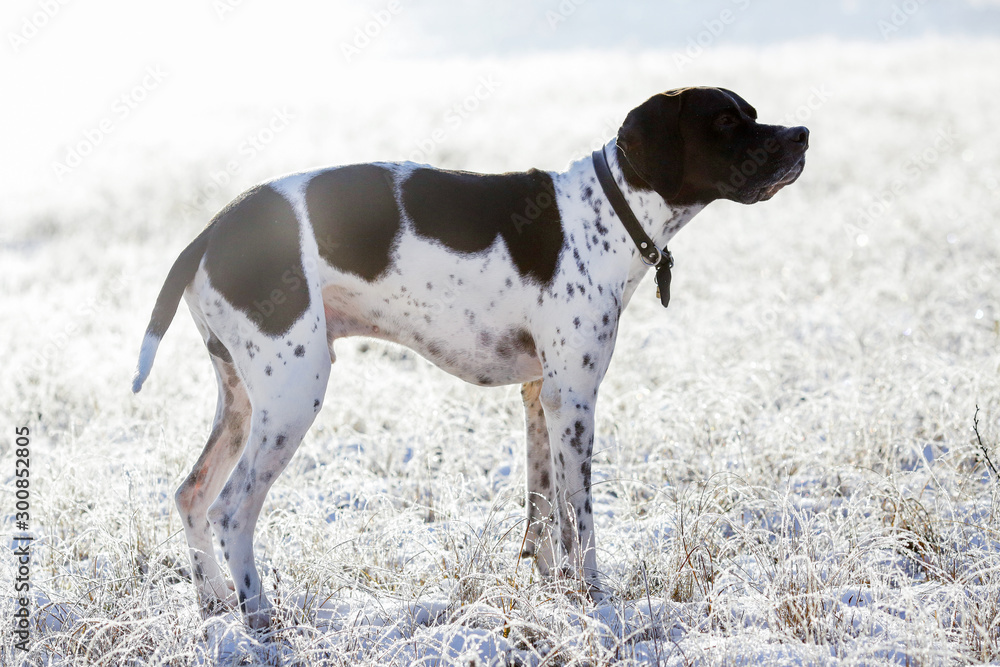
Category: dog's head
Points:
column 695, row 145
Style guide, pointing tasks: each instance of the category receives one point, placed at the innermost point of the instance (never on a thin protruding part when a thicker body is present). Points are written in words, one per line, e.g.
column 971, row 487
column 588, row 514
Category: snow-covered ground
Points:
column 786, row 471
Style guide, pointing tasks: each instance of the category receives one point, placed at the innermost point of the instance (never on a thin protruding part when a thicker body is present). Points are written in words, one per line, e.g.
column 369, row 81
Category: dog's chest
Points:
column 470, row 315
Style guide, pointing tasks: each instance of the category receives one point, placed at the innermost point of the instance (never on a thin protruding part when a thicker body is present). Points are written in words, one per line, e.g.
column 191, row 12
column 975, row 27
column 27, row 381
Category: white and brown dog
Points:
column 496, row 278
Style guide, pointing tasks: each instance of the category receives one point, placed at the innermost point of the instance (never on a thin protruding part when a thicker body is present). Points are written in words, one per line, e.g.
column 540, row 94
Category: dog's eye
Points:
column 726, row 121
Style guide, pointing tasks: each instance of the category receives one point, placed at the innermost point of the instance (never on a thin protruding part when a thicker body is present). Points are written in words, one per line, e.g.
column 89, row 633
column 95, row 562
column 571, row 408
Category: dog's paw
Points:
column 259, row 620
column 214, row 606
column 219, row 597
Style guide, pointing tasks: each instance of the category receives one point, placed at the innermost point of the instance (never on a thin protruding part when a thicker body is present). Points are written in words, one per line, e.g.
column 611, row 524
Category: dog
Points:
column 515, row 278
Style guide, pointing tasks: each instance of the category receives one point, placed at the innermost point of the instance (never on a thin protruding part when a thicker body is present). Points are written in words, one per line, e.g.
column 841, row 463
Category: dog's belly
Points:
column 485, row 344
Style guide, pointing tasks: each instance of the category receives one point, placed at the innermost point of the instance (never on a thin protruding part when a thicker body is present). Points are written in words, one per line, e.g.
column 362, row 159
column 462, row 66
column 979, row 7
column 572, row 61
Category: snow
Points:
column 785, row 473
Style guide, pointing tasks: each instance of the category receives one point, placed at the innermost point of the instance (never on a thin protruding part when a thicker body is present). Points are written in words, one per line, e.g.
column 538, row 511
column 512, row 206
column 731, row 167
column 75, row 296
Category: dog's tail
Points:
column 180, row 276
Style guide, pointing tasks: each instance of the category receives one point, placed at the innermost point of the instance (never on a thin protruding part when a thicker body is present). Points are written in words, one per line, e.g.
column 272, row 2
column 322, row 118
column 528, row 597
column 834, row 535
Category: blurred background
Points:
column 107, row 87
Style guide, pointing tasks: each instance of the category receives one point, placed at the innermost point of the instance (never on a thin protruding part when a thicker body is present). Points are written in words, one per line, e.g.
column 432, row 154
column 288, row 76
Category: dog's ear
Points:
column 650, row 139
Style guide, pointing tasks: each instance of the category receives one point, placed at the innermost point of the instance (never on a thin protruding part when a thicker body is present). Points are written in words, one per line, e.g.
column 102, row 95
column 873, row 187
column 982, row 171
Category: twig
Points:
column 652, row 625
column 982, row 447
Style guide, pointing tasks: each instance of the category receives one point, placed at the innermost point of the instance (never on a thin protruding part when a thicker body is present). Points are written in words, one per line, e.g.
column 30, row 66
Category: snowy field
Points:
column 786, row 470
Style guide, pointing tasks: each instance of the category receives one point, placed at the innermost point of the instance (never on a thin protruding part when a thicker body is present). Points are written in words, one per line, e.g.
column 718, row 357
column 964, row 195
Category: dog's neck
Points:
column 659, row 219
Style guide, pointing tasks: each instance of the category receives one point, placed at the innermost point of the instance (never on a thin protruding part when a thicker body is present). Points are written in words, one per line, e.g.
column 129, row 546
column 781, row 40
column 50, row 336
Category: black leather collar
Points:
column 650, row 254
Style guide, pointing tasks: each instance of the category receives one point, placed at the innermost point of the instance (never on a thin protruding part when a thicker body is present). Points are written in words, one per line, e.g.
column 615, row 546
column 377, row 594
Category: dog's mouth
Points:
column 788, row 178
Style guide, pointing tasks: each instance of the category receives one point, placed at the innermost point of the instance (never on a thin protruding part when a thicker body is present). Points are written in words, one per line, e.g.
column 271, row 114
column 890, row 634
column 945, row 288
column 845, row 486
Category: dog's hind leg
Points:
column 538, row 540
column 201, row 487
column 286, row 378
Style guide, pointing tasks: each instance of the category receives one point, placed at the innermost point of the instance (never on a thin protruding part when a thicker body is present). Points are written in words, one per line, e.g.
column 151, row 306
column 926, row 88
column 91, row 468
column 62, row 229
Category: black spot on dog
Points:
column 576, row 442
column 355, row 218
column 316, row 404
column 225, row 554
column 253, row 249
column 243, row 601
column 268, row 370
column 218, row 350
column 246, row 580
column 601, row 229
column 225, row 522
column 279, row 442
column 524, row 342
column 466, row 212
column 300, row 351
column 543, row 480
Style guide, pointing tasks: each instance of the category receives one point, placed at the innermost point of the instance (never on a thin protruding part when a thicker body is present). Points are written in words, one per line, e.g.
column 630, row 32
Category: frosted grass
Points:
column 785, row 470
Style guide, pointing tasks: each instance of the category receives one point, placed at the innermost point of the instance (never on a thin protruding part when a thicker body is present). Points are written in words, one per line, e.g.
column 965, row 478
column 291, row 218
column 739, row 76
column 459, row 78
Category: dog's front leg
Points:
column 572, row 375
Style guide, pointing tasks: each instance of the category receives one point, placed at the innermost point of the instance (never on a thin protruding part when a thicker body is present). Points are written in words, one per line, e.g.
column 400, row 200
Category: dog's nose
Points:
column 799, row 135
